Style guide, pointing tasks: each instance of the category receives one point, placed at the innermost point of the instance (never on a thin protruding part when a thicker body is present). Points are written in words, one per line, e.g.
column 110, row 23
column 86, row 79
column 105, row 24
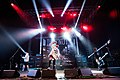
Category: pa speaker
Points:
column 34, row 73
column 48, row 73
column 112, row 71
column 71, row 73
column 85, row 72
column 9, row 74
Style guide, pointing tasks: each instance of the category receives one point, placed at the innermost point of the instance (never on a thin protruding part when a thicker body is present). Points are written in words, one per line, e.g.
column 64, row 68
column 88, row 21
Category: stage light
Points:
column 47, row 5
column 12, row 4
column 98, row 7
column 64, row 28
column 37, row 13
column 113, row 14
column 43, row 16
column 52, row 28
column 80, row 13
column 52, row 36
column 72, row 14
column 67, row 36
column 66, row 6
column 22, row 14
column 86, row 28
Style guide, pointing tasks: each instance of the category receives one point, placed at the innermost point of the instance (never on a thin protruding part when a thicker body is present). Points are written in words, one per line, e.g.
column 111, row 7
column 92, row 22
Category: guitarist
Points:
column 54, row 54
column 98, row 59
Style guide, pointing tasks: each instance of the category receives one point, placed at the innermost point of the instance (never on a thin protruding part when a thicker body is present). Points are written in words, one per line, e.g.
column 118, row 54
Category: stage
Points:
column 66, row 74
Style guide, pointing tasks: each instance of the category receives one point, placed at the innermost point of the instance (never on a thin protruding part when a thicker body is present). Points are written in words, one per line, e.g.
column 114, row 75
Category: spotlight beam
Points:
column 86, row 42
column 67, row 5
column 52, row 36
column 47, row 5
column 36, row 10
column 80, row 13
column 13, row 40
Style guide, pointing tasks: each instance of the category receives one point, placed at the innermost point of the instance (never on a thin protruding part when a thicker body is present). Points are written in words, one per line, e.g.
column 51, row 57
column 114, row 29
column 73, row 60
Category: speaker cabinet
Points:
column 71, row 73
column 48, row 73
column 112, row 71
column 85, row 72
column 9, row 74
column 34, row 73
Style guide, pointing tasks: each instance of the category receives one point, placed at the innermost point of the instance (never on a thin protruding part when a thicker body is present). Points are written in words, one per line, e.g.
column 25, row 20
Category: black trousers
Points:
column 52, row 62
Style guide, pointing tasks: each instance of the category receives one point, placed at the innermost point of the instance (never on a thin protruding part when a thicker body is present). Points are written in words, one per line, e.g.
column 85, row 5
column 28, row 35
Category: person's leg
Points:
column 27, row 67
column 54, row 64
column 23, row 68
column 49, row 64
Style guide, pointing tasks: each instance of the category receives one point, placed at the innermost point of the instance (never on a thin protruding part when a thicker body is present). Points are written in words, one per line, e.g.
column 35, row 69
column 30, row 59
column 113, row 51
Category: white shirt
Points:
column 55, row 52
column 26, row 58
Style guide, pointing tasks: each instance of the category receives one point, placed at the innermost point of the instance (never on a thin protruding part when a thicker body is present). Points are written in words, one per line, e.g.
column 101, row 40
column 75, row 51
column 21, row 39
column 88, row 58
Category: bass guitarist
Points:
column 98, row 59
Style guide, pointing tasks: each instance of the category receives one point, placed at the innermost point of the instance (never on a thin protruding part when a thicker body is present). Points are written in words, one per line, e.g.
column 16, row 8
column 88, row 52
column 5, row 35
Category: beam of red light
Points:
column 18, row 10
column 24, row 16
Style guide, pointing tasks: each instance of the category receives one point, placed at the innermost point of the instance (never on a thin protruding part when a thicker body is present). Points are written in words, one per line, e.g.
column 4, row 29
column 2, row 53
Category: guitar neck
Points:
column 104, row 55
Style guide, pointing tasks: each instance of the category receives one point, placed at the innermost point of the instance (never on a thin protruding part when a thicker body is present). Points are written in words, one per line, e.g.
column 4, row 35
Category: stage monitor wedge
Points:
column 34, row 73
column 85, row 72
column 71, row 73
column 48, row 73
column 115, row 71
column 9, row 74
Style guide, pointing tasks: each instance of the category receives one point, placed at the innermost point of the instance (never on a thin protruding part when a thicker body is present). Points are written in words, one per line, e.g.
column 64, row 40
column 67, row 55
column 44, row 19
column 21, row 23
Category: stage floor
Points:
column 60, row 75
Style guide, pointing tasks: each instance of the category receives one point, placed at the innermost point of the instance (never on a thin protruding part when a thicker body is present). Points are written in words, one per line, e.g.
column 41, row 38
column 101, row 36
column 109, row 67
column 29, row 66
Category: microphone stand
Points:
column 12, row 58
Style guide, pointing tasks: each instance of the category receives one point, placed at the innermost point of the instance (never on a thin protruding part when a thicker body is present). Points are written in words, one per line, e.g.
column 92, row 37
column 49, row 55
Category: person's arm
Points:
column 25, row 55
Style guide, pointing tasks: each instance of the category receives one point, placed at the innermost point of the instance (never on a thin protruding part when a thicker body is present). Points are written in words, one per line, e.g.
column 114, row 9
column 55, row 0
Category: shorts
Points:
column 25, row 63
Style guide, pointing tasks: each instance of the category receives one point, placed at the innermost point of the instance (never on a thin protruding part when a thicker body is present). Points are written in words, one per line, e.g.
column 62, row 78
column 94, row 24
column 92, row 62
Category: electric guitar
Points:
column 100, row 61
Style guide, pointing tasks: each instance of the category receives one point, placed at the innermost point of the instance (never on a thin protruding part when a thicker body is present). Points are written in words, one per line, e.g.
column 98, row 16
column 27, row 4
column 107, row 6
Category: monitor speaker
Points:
column 85, row 72
column 34, row 73
column 48, row 73
column 112, row 71
column 9, row 74
column 71, row 73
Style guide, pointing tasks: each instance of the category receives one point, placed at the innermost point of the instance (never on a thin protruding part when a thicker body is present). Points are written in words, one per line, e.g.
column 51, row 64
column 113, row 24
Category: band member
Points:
column 26, row 61
column 54, row 54
column 98, row 59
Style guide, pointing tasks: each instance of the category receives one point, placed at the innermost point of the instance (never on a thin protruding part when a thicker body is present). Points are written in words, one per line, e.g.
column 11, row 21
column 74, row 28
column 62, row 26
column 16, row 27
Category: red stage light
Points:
column 98, row 7
column 113, row 14
column 86, row 28
column 52, row 28
column 45, row 15
column 64, row 28
column 12, row 4
column 72, row 14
